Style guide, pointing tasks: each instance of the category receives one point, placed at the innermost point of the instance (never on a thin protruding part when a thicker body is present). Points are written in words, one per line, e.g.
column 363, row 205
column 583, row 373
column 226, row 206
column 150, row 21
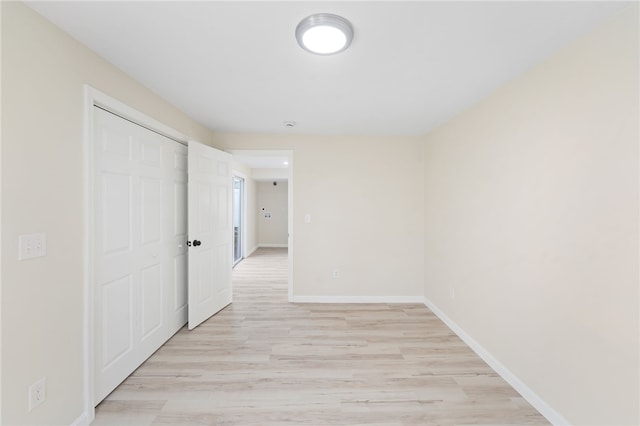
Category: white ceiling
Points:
column 236, row 67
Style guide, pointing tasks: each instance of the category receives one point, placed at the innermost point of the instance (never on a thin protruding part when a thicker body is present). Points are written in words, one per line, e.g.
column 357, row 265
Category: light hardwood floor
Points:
column 264, row 361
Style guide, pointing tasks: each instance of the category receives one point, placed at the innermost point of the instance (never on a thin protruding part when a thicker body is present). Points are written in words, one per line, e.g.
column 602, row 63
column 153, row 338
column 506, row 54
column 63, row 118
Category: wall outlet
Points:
column 37, row 393
column 452, row 293
column 335, row 274
column 32, row 245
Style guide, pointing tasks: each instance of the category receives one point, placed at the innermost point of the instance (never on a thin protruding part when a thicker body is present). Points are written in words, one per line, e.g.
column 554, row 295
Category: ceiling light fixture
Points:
column 324, row 33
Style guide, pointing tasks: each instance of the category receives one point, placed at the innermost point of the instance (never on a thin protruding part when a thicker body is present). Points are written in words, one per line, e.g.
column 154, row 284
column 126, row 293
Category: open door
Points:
column 210, row 232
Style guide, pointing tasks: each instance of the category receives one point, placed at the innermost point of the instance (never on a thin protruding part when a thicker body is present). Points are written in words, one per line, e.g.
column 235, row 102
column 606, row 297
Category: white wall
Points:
column 365, row 197
column 251, row 212
column 270, row 174
column 273, row 231
column 43, row 73
column 531, row 215
column 0, row 234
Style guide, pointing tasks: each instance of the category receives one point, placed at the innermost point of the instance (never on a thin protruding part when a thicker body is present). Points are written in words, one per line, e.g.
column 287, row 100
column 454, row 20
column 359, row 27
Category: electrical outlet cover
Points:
column 37, row 393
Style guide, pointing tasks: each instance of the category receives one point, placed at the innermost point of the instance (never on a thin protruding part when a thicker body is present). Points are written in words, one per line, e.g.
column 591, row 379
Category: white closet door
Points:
column 176, row 274
column 149, row 239
column 134, row 248
column 210, row 232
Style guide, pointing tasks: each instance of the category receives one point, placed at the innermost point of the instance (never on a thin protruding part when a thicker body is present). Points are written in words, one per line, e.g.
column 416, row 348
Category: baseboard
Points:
column 83, row 420
column 527, row 393
column 273, row 245
column 357, row 299
column 250, row 252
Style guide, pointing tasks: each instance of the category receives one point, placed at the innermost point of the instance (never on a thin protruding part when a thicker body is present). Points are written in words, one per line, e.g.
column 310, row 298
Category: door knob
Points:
column 196, row 243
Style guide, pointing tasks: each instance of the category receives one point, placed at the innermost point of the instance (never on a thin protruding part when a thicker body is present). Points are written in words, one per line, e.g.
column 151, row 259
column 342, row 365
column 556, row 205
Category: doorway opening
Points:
column 266, row 210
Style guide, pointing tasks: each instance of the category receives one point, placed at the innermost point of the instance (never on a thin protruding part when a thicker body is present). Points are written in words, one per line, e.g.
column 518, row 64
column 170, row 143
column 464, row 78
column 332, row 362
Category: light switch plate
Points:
column 32, row 245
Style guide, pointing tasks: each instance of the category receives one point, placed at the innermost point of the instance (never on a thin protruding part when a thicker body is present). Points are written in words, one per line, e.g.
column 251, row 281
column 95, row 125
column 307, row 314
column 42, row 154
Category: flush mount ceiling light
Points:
column 324, row 34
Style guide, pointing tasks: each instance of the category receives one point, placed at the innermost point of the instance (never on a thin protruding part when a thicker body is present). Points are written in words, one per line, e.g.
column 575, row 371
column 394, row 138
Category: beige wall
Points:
column 531, row 215
column 252, row 216
column 272, row 199
column 365, row 197
column 0, row 228
column 43, row 72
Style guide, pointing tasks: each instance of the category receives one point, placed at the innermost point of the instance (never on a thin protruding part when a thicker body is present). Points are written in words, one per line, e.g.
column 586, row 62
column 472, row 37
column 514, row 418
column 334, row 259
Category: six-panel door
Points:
column 140, row 253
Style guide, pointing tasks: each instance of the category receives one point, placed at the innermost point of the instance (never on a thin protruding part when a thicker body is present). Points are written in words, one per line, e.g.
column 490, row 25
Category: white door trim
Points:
column 92, row 98
column 290, row 209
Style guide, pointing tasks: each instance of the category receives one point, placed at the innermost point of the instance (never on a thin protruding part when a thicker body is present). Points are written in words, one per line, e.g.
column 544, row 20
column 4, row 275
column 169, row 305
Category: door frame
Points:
column 288, row 153
column 92, row 98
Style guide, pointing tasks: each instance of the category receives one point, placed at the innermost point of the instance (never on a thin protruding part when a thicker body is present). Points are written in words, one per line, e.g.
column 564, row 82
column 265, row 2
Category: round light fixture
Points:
column 324, row 33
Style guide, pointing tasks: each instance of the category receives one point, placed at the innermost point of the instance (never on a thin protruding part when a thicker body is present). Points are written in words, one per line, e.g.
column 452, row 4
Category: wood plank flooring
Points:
column 264, row 361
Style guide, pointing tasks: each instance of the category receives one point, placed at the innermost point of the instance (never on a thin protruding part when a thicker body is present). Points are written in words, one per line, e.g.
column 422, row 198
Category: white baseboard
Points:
column 83, row 420
column 250, row 252
column 274, row 245
column 527, row 393
column 357, row 299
